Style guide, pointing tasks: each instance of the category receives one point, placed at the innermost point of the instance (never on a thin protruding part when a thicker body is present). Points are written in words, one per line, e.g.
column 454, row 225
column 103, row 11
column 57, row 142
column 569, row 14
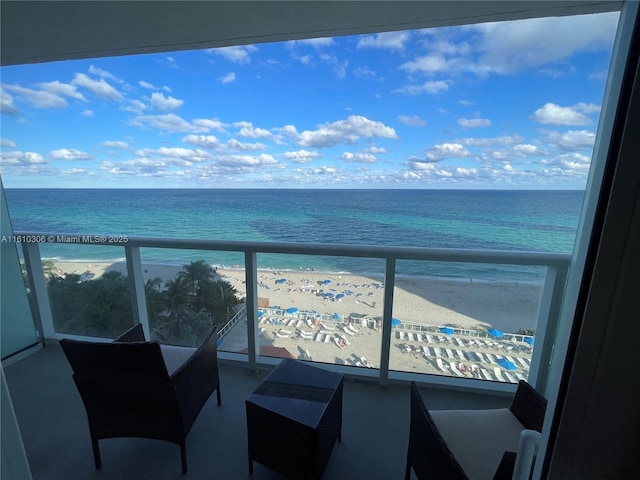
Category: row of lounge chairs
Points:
column 461, row 342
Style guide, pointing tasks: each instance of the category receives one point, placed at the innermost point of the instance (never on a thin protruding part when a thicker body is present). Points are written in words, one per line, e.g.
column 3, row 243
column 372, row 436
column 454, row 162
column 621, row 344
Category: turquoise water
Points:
column 543, row 221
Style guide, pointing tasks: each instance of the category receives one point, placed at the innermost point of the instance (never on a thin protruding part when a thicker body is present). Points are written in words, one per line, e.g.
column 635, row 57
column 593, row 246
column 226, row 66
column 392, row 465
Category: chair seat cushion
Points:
column 174, row 356
column 478, row 438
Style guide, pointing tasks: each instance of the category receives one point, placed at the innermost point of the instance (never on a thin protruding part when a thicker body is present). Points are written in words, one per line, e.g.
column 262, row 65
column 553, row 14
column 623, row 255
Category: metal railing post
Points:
column 136, row 288
column 548, row 318
column 251, row 278
column 42, row 316
column 387, row 313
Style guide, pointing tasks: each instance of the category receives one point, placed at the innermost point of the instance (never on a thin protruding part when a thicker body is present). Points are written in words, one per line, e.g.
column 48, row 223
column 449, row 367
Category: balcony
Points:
column 427, row 351
column 53, row 424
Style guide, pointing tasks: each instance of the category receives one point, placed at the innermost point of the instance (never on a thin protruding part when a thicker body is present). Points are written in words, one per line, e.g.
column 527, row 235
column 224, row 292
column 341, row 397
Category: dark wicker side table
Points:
column 294, row 418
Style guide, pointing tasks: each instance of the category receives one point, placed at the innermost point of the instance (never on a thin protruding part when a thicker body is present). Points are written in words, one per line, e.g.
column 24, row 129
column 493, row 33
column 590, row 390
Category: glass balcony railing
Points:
column 379, row 322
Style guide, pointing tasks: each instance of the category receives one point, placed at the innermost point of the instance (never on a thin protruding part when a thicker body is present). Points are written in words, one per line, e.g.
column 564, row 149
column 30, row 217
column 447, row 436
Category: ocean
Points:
column 539, row 221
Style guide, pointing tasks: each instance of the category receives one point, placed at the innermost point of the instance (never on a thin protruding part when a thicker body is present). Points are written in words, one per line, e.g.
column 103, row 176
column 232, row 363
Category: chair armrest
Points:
column 134, row 334
column 528, row 406
column 197, row 379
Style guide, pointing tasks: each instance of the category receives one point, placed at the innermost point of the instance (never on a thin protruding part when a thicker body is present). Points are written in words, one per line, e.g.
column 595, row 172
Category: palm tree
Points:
column 178, row 292
column 196, row 275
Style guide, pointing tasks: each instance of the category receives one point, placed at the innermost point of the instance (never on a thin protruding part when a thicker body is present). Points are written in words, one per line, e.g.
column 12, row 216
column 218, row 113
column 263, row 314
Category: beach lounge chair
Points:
column 261, row 331
column 135, row 388
column 454, row 369
column 441, row 364
column 429, row 339
column 486, row 374
column 319, row 337
column 522, row 362
column 443, row 444
column 498, row 373
column 352, row 328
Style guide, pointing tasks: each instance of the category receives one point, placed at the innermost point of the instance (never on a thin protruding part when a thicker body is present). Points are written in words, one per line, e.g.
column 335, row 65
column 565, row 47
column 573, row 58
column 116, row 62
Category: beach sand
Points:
column 420, row 301
column 465, row 304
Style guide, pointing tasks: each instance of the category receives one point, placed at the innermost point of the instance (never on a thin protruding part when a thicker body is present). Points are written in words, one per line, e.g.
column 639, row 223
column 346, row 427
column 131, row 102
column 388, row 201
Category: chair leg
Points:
column 96, row 452
column 183, row 456
column 218, row 394
column 407, row 472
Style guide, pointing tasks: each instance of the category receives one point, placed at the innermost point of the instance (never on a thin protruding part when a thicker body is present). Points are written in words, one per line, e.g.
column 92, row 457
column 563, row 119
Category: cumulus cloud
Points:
column 236, row 161
column 98, row 72
column 172, row 123
column 412, row 120
column 490, row 141
column 172, row 153
column 62, row 89
column 346, row 131
column 432, row 87
column 228, row 78
column 70, row 154
column 572, row 139
column 147, row 85
column 162, row 103
column 235, row 54
column 552, row 114
column 359, row 157
column 387, row 41
column 302, row 156
column 247, row 130
column 37, row 98
column 474, row 122
column 100, row 88
column 237, row 145
column 204, row 141
column 135, row 106
column 209, row 124
column 570, row 161
column 444, row 151
column 21, row 158
column 6, row 104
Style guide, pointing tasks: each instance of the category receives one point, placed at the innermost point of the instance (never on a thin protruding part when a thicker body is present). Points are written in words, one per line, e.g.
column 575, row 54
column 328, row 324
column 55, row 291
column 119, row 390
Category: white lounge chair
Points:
column 319, row 337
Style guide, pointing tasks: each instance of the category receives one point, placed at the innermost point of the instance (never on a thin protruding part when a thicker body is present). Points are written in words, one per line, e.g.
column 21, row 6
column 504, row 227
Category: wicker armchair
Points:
column 478, row 444
column 135, row 388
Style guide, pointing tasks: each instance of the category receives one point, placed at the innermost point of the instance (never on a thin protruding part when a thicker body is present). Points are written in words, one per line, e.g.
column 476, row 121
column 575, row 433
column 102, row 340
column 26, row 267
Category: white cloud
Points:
column 100, row 88
column 317, row 43
column 204, row 141
column 445, row 150
column 5, row 142
column 545, row 40
column 237, row 145
column 162, row 103
column 572, row 139
column 6, row 104
column 21, row 158
column 412, row 120
column 339, row 67
column 342, row 131
column 432, row 87
column 570, row 161
column 247, row 130
column 116, row 144
column 87, row 113
column 38, row 98
column 236, row 161
column 302, row 156
column 360, row 157
column 490, row 141
column 62, row 89
column 135, row 106
column 474, row 122
column 388, row 41
column 169, row 122
column 147, row 85
column 98, row 72
column 428, row 64
column 526, row 149
column 172, row 153
column 206, row 124
column 235, row 54
column 228, row 78
column 552, row 114
column 70, row 154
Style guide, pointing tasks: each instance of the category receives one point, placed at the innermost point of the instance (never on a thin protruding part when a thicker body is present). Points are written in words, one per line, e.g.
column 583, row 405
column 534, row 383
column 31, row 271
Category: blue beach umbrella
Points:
column 281, row 280
column 446, row 330
column 260, row 314
column 495, row 333
column 395, row 322
column 336, row 316
column 292, row 310
column 506, row 364
column 529, row 340
column 328, row 295
column 326, row 282
column 340, row 296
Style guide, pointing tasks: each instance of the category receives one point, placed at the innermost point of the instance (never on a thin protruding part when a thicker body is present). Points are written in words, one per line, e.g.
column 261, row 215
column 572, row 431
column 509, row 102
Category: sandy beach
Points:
column 464, row 304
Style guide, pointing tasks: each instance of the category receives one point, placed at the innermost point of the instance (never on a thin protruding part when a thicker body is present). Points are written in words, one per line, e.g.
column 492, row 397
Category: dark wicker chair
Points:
column 463, row 444
column 135, row 388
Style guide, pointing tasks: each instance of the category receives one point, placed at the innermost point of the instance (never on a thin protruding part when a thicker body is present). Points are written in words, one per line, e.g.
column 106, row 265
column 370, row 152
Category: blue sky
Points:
column 501, row 105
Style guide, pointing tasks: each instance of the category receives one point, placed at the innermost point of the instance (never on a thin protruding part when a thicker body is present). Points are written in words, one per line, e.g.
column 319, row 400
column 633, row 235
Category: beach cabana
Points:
column 446, row 330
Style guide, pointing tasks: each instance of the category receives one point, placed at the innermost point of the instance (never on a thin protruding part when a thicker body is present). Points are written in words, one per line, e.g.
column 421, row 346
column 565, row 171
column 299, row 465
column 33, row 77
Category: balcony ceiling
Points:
column 35, row 32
